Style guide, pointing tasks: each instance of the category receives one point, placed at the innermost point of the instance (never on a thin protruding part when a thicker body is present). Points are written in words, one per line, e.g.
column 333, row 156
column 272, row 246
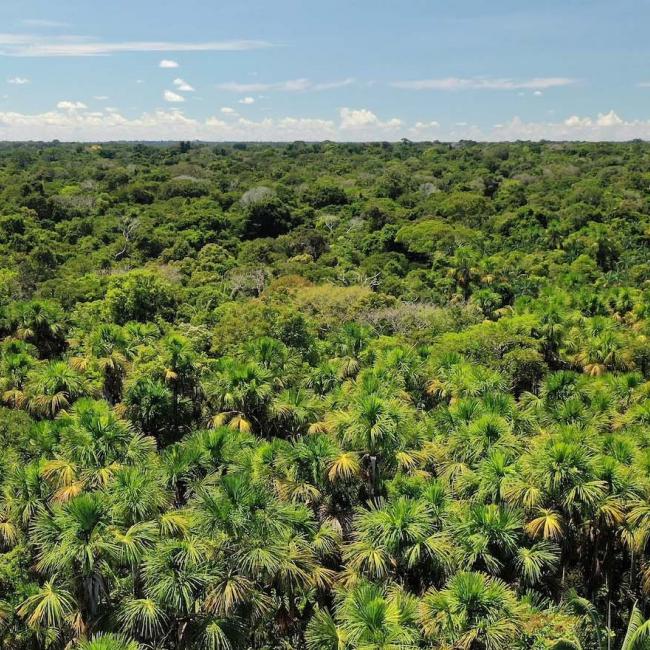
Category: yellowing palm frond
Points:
column 344, row 467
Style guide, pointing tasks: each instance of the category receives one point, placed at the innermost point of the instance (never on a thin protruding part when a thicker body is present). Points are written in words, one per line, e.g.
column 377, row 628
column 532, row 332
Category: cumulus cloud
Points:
column 603, row 126
column 174, row 98
column 168, row 63
column 31, row 45
column 71, row 120
column 423, row 130
column 352, row 119
column 247, row 100
column 66, row 105
column 18, row 81
column 427, row 125
column 608, row 119
column 162, row 124
column 484, row 83
column 183, row 86
column 576, row 121
column 364, row 119
column 291, row 85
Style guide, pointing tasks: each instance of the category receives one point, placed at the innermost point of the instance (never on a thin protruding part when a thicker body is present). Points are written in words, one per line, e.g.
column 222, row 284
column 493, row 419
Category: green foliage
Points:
column 353, row 397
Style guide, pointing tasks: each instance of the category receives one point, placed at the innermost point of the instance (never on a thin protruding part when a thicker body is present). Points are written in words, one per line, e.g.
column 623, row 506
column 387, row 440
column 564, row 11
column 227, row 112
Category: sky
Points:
column 345, row 70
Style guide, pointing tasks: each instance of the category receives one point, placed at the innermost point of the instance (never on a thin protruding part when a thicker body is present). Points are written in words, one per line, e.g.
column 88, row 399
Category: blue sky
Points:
column 314, row 69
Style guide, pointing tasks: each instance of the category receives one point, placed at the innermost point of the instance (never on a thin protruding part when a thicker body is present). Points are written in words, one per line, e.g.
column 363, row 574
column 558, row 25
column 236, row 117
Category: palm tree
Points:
column 532, row 563
column 637, row 634
column 399, row 538
column 293, row 410
column 463, row 269
column 488, row 536
column 601, row 351
column 25, row 492
column 375, row 428
column 323, row 633
column 473, row 611
column 270, row 354
column 137, row 495
column 239, row 394
column 53, row 387
column 15, row 365
column 94, row 444
column 368, row 617
column 455, row 378
column 180, row 464
column 175, row 574
column 492, row 476
column 74, row 538
column 349, row 344
column 471, row 443
column 551, row 329
column 143, row 618
column 149, row 404
column 41, row 322
column 305, row 465
column 109, row 642
column 180, row 371
column 107, row 347
column 51, row 607
column 325, row 377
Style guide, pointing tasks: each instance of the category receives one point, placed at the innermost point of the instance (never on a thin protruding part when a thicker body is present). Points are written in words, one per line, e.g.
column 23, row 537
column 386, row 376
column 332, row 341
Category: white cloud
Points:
column 168, row 63
column 605, row 126
column 226, row 110
column 538, row 93
column 484, row 83
column 420, row 128
column 183, row 86
column 330, row 85
column 291, row 85
column 31, row 45
column 216, row 123
column 171, row 96
column 71, row 106
column 71, row 121
column 352, row 119
column 427, row 125
column 425, row 130
column 364, row 119
column 100, row 98
column 18, row 81
column 168, row 124
column 643, row 84
column 608, row 119
column 576, row 121
column 247, row 100
column 602, row 120
column 256, row 87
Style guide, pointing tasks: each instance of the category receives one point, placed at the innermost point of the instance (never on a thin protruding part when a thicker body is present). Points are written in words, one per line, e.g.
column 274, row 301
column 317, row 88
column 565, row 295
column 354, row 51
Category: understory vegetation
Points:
column 325, row 396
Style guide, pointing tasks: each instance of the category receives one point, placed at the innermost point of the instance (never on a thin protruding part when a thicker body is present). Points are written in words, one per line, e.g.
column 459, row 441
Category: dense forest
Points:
column 325, row 396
